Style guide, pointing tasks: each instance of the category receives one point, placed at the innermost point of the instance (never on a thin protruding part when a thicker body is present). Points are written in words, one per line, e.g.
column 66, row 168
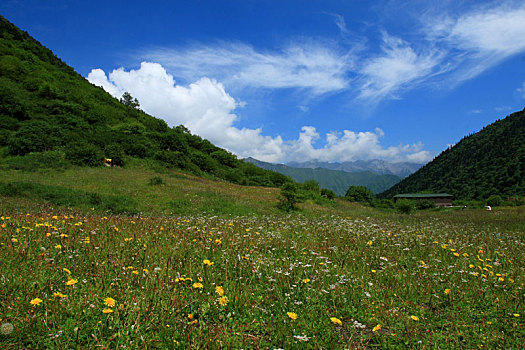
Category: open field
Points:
column 334, row 276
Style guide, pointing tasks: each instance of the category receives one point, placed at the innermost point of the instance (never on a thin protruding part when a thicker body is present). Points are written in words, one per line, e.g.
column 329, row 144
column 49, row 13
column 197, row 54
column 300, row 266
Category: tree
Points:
column 289, row 196
column 359, row 194
column 129, row 101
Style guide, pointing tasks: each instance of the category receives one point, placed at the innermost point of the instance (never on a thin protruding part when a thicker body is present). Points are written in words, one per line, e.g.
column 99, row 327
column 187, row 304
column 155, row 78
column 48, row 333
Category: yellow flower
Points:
column 66, row 271
column 370, row 242
column 306, row 280
column 71, row 282
column 415, row 318
column 36, row 301
column 190, row 316
column 135, row 272
column 107, row 311
column 376, row 328
column 58, row 246
column 374, row 271
column 447, row 291
column 223, row 301
column 198, row 285
column 109, row 302
column 516, row 315
column 219, row 290
column 336, row 321
column 456, row 254
column 292, row 315
column 59, row 295
column 207, row 262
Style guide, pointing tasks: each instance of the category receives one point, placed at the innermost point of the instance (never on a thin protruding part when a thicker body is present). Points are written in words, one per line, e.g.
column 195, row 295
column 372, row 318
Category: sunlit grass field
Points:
column 198, row 275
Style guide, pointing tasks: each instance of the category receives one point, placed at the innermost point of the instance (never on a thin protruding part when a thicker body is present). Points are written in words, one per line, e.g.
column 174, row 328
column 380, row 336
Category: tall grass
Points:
column 431, row 280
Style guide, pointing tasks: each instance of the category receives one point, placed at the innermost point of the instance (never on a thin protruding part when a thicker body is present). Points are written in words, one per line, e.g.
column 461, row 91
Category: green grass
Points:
column 434, row 279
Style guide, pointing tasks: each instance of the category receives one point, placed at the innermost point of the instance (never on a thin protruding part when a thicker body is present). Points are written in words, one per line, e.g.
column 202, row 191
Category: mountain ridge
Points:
column 381, row 167
column 489, row 162
column 335, row 180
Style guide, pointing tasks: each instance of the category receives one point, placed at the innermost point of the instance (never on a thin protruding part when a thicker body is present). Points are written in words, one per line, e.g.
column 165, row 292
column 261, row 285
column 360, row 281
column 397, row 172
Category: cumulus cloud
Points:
column 349, row 146
column 207, row 109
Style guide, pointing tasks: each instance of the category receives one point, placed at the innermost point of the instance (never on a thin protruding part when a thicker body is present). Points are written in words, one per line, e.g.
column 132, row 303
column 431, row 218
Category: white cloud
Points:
column 398, row 65
column 312, row 66
column 204, row 107
column 480, row 39
column 521, row 90
column 208, row 110
column 350, row 145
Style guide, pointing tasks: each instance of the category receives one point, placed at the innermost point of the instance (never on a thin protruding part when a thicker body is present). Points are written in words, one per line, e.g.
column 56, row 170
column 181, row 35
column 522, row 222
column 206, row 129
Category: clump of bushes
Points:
column 405, row 206
column 289, row 197
column 494, row 201
column 156, row 181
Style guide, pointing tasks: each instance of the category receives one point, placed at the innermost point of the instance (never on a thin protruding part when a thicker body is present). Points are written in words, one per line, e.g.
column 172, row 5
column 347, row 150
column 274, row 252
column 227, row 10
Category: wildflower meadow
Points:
column 450, row 279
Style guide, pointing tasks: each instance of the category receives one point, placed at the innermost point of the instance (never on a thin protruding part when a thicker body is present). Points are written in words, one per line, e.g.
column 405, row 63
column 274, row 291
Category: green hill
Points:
column 489, row 162
column 51, row 116
column 335, row 180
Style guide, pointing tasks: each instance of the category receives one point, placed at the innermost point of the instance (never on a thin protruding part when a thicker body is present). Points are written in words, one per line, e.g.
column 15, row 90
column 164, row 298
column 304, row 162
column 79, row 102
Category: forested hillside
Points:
column 489, row 162
column 335, row 180
column 50, row 113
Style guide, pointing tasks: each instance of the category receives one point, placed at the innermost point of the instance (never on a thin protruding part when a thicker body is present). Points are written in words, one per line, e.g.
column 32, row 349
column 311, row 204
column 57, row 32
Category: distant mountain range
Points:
column 401, row 169
column 335, row 180
column 489, row 162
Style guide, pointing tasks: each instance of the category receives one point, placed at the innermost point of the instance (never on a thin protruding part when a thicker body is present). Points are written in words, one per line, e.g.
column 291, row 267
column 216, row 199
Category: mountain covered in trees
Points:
column 335, row 180
column 51, row 113
column 489, row 162
column 378, row 166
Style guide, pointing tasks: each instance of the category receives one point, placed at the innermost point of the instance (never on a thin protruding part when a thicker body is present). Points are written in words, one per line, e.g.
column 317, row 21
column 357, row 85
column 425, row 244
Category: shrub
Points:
column 494, row 201
column 289, row 196
column 84, row 154
column 425, row 204
column 383, row 203
column 36, row 161
column 405, row 206
column 33, row 136
column 359, row 194
column 156, row 180
column 328, row 193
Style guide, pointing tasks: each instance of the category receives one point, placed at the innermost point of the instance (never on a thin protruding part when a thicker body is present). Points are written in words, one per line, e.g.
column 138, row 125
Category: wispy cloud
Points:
column 480, row 39
column 311, row 66
column 521, row 90
column 397, row 66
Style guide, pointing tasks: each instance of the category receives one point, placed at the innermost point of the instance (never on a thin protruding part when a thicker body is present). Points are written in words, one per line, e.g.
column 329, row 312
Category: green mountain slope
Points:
column 47, row 108
column 335, row 180
column 489, row 162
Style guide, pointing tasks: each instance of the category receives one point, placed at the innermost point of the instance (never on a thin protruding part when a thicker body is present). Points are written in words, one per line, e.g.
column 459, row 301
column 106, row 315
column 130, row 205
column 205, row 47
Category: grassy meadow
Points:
column 207, row 264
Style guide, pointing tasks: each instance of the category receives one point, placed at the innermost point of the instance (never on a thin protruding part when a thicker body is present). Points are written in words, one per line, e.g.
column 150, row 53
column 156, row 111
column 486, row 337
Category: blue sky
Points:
column 299, row 80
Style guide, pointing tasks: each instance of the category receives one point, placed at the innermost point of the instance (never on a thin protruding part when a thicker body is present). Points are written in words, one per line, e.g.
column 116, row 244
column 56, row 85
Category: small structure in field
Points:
column 109, row 162
column 441, row 199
